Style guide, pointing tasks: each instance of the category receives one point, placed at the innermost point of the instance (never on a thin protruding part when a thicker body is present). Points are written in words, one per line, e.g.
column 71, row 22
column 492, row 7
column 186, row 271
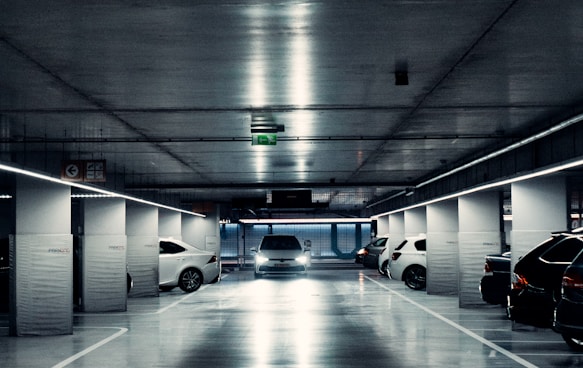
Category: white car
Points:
column 409, row 263
column 383, row 258
column 185, row 266
column 280, row 254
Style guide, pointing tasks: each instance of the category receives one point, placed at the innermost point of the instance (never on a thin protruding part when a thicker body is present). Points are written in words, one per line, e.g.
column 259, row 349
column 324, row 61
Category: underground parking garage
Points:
column 147, row 149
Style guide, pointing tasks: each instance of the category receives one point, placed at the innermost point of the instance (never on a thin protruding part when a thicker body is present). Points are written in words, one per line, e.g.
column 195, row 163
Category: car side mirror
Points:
column 253, row 249
column 307, row 244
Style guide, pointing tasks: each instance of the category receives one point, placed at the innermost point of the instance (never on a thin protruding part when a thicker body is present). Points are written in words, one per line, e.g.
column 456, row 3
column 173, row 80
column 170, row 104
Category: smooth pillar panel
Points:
column 415, row 221
column 41, row 260
column 143, row 249
column 442, row 248
column 170, row 224
column 479, row 235
column 382, row 225
column 539, row 207
column 196, row 230
column 396, row 230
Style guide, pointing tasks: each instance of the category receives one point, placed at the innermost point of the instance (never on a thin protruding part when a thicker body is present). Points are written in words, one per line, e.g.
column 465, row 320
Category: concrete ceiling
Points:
column 165, row 91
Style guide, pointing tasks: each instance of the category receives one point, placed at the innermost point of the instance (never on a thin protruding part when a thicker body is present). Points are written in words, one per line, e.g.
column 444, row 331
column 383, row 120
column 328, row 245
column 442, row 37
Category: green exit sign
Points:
column 264, row 139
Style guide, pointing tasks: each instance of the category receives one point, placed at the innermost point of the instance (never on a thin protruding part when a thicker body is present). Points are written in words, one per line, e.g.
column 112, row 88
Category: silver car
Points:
column 280, row 254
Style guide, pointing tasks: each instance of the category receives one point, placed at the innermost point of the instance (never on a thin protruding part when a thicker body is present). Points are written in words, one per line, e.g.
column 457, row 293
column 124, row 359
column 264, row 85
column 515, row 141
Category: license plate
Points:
column 281, row 265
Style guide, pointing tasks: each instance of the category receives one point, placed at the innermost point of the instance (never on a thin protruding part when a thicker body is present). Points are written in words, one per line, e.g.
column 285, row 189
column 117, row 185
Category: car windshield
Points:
column 379, row 242
column 280, row 243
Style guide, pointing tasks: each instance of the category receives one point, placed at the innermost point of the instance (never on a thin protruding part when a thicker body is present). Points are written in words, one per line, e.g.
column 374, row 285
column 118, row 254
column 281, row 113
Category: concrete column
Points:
column 170, row 224
column 41, row 260
column 104, row 255
column 480, row 216
column 203, row 232
column 442, row 248
column 396, row 230
column 415, row 221
column 539, row 207
column 143, row 248
column 382, row 225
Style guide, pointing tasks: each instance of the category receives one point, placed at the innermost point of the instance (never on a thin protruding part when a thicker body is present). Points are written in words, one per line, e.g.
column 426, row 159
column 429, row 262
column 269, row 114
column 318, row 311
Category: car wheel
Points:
column 190, row 280
column 574, row 342
column 383, row 268
column 414, row 277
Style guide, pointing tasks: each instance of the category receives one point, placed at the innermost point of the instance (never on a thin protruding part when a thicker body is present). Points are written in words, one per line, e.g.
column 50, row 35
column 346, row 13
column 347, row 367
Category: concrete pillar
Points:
column 480, row 233
column 203, row 232
column 442, row 248
column 104, row 255
column 415, row 221
column 41, row 260
column 539, row 207
column 382, row 225
column 143, row 248
column 396, row 230
column 170, row 224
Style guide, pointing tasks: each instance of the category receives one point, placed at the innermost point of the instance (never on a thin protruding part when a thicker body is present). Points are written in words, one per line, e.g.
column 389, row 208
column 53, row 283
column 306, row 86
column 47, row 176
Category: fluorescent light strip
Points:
column 514, row 146
column 45, row 177
column 556, row 128
column 5, row 196
column 92, row 196
column 306, row 221
column 544, row 172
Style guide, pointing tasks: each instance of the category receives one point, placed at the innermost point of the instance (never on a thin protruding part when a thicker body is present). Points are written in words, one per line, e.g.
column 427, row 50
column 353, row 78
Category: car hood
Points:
column 281, row 254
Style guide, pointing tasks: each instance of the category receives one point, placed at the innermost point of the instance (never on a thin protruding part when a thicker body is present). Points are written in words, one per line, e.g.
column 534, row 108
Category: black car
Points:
column 536, row 281
column 569, row 312
column 495, row 284
column 4, row 274
column 370, row 257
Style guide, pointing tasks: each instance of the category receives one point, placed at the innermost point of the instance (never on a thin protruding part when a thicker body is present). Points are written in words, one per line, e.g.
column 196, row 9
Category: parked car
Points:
column 408, row 262
column 383, row 263
column 495, row 284
column 4, row 274
column 280, row 254
column 537, row 276
column 185, row 266
column 370, row 257
column 568, row 319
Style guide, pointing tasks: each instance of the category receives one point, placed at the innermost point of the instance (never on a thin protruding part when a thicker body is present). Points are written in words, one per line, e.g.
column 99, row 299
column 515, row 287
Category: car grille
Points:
column 282, row 269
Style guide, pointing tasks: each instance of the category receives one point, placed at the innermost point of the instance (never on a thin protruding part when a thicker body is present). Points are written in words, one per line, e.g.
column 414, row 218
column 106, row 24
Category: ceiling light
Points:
column 306, row 221
column 261, row 128
column 90, row 188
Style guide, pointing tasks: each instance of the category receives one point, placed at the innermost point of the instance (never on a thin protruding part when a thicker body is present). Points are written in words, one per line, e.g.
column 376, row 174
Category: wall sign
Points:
column 83, row 170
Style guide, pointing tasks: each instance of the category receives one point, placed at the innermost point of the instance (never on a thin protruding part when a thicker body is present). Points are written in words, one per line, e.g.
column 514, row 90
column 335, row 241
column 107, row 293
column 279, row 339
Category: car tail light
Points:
column 572, row 280
column 213, row 259
column 395, row 256
column 488, row 267
column 519, row 282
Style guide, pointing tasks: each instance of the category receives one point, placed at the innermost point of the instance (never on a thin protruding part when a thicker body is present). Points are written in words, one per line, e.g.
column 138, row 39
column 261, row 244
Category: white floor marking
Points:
column 80, row 354
column 479, row 338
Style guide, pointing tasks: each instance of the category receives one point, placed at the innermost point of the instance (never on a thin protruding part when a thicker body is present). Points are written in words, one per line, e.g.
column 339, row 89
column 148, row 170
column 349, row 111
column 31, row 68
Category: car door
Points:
column 171, row 259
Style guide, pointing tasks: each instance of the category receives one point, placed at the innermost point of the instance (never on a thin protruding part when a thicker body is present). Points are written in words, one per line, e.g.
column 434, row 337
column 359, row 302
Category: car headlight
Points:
column 302, row 259
column 259, row 259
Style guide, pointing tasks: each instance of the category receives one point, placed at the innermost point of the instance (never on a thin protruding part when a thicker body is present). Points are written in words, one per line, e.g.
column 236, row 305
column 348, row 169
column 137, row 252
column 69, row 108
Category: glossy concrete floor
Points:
column 334, row 318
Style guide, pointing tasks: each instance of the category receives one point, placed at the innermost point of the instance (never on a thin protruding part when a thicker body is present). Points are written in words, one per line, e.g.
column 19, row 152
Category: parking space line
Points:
column 93, row 347
column 462, row 329
column 163, row 310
